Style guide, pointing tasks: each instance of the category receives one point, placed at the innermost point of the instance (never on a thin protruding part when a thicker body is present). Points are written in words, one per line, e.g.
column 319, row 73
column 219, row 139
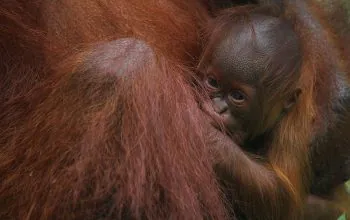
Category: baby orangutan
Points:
column 251, row 75
column 266, row 92
column 251, row 70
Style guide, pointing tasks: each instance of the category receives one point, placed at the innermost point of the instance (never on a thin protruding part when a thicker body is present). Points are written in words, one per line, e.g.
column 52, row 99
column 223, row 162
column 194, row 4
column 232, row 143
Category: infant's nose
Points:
column 219, row 105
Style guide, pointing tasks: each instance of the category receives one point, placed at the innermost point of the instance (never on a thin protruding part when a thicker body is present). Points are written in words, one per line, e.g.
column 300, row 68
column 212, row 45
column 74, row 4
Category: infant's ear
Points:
column 292, row 99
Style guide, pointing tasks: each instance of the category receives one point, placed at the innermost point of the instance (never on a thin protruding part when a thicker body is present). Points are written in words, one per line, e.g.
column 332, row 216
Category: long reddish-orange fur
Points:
column 76, row 143
column 79, row 143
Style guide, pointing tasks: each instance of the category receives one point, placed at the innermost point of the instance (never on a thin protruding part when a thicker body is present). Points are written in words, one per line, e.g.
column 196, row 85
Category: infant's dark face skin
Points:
column 235, row 73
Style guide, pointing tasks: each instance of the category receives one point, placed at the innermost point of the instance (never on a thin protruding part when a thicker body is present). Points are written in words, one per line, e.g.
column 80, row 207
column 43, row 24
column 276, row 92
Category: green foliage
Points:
column 342, row 217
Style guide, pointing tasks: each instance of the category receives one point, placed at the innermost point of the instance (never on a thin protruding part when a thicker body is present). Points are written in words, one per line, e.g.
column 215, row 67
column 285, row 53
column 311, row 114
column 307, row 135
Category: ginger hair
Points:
column 79, row 142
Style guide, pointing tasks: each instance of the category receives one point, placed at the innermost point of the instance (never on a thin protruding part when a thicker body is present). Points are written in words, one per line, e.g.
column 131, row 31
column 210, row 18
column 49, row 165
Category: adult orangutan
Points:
column 99, row 119
column 337, row 13
column 266, row 73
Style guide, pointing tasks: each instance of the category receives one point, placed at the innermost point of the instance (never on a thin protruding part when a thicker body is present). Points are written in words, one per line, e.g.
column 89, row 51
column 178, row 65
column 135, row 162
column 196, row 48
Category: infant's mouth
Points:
column 216, row 119
column 218, row 122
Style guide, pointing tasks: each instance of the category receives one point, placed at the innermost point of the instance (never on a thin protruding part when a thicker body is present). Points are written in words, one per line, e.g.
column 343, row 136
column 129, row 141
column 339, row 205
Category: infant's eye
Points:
column 212, row 82
column 238, row 97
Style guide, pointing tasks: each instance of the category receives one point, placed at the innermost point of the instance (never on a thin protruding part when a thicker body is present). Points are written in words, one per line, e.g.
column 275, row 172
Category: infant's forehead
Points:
column 248, row 48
